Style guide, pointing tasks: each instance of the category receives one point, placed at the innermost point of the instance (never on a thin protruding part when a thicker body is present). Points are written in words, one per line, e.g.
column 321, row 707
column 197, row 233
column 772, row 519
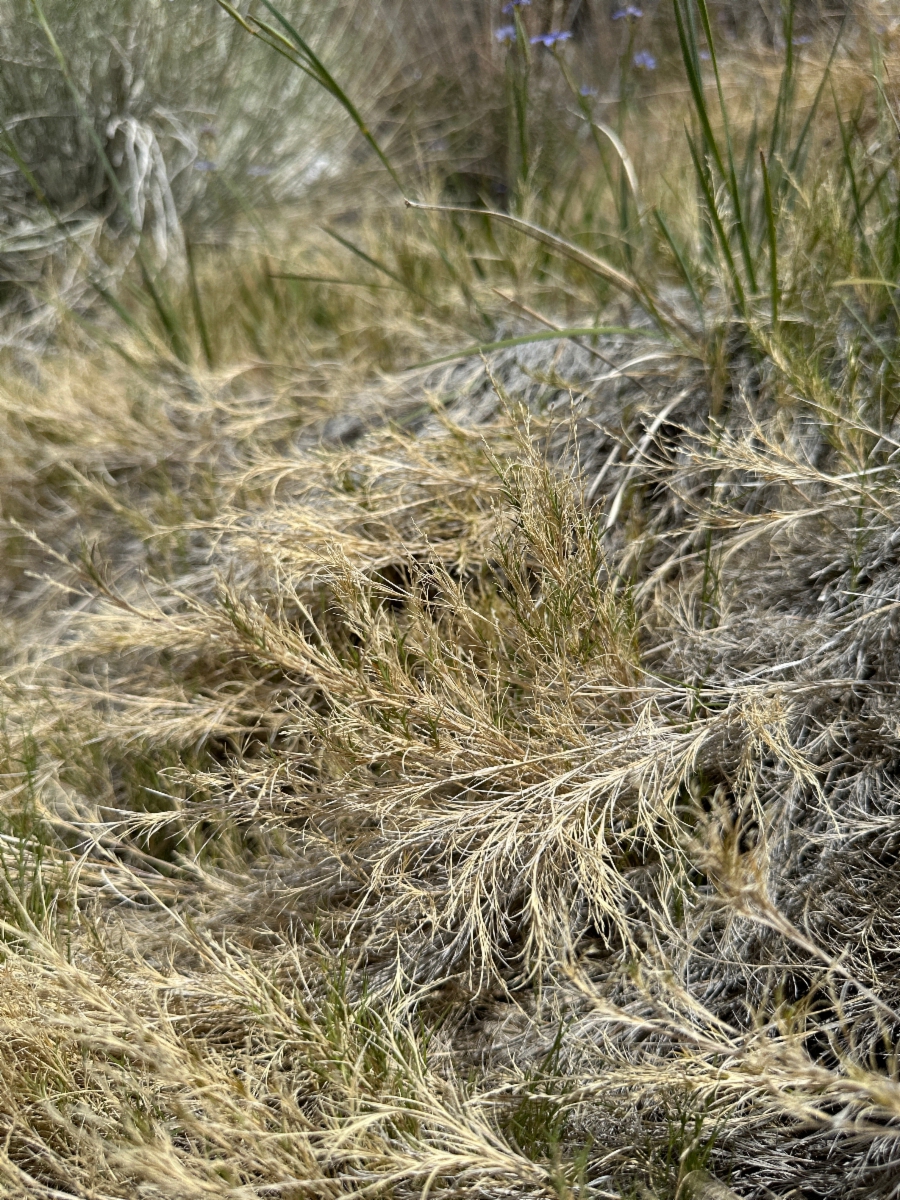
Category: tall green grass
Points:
column 516, row 123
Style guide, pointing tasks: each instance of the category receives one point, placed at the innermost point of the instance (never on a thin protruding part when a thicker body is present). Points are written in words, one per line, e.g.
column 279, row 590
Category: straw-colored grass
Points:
column 474, row 776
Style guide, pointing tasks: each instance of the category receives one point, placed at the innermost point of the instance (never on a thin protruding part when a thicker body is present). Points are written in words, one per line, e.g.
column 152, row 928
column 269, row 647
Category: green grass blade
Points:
column 731, row 180
column 197, row 302
column 167, row 317
column 858, row 210
column 123, row 314
column 691, row 57
column 799, row 149
column 666, row 318
column 877, row 186
column 722, row 237
column 748, row 167
column 850, row 172
column 273, row 38
column 407, row 287
column 681, row 261
column 692, row 30
column 382, row 267
column 367, row 258
column 773, row 238
column 784, row 103
column 520, row 58
column 330, row 84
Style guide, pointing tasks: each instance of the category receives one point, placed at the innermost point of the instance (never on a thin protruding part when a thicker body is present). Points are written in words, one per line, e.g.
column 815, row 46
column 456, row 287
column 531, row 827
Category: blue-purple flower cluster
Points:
column 507, row 33
column 644, row 60
column 550, row 39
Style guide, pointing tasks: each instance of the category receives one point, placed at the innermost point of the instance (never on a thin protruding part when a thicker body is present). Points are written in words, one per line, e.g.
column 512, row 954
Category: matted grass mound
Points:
column 480, row 778
column 545, row 683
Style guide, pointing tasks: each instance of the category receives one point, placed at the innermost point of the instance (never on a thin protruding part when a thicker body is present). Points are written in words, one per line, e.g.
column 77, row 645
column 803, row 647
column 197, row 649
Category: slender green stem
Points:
column 313, row 66
column 666, row 317
column 773, row 238
column 197, row 302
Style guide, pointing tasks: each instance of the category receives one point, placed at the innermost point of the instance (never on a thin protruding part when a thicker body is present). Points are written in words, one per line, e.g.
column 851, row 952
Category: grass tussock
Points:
column 448, row 727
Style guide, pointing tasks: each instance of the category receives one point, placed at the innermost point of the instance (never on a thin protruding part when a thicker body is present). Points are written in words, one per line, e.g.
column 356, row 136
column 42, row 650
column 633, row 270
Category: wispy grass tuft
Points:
column 448, row 720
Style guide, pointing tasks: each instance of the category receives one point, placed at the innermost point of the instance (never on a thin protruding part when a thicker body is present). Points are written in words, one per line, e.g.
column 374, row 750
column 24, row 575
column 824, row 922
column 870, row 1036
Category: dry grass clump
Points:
column 478, row 779
column 444, row 740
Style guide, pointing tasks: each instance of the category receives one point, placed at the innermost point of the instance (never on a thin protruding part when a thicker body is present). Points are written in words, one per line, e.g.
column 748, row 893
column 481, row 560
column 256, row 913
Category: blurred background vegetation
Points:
column 229, row 162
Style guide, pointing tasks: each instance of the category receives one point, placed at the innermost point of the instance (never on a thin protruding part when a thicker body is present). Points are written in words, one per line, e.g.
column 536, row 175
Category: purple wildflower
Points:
column 507, row 8
column 630, row 10
column 645, row 60
column 506, row 33
column 203, row 164
column 801, row 41
column 550, row 39
column 587, row 90
column 705, row 56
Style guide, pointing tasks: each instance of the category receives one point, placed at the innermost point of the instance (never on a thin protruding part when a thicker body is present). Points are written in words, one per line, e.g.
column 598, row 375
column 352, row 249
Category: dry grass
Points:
column 479, row 778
